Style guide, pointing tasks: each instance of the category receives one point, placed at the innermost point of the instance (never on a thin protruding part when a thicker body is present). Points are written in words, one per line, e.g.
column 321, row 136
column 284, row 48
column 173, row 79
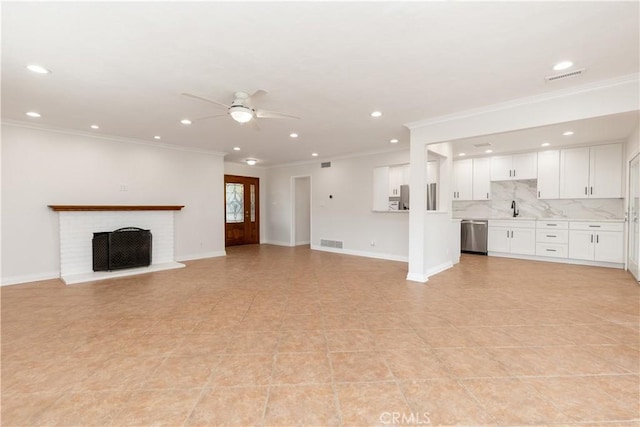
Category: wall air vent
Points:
column 325, row 164
column 482, row 144
column 331, row 243
column 574, row 73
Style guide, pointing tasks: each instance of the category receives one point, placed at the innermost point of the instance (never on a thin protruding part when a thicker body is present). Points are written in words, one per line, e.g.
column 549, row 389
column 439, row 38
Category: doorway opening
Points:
column 301, row 211
column 242, row 210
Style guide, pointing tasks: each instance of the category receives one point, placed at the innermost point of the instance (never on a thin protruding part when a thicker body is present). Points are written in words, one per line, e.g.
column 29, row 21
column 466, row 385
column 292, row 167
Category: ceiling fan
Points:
column 242, row 109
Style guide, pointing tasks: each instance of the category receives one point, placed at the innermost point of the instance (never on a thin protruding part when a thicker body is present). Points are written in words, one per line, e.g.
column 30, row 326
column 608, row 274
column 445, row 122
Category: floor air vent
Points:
column 574, row 73
column 331, row 243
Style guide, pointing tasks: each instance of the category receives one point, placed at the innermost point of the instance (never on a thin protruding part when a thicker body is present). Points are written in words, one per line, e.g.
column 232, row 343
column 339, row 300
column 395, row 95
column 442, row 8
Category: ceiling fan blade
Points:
column 209, row 116
column 206, row 99
column 263, row 114
column 254, row 125
column 258, row 94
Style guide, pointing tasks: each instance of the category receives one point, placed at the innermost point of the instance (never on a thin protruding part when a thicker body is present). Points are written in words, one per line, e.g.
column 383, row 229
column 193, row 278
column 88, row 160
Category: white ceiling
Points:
column 613, row 128
column 124, row 65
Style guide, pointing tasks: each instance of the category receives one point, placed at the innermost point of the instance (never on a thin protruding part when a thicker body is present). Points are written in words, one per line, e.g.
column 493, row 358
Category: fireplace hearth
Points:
column 127, row 247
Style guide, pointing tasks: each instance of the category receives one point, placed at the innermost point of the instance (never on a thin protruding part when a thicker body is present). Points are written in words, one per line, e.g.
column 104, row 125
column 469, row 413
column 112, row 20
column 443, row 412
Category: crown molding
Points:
column 617, row 81
column 107, row 137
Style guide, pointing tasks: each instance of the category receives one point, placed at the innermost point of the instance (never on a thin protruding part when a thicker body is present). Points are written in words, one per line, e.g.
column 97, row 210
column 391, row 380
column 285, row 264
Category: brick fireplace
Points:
column 79, row 222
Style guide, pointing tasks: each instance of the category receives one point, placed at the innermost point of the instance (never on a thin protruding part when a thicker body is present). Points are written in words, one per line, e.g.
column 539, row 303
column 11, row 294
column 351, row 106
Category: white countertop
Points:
column 525, row 218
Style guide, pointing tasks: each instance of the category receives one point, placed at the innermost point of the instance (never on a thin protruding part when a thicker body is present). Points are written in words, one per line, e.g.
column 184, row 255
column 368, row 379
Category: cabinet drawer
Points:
column 512, row 223
column 552, row 225
column 596, row 226
column 552, row 236
column 551, row 250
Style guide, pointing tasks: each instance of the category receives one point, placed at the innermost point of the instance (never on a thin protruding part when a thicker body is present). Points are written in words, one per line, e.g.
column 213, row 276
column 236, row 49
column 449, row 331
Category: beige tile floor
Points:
column 278, row 336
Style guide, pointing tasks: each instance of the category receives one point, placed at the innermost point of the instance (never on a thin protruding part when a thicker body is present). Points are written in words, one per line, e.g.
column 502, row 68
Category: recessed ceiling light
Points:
column 236, row 148
column 95, row 127
column 185, row 121
column 568, row 133
column 563, row 65
column 38, row 69
column 156, row 137
column 314, row 154
column 545, row 144
column 293, row 135
column 394, row 141
column 488, row 151
column 376, row 114
column 462, row 154
column 251, row 162
column 33, row 114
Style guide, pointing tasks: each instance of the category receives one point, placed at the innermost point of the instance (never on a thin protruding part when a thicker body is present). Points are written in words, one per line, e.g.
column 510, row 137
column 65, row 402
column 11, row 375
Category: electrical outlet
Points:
column 373, row 243
column 124, row 187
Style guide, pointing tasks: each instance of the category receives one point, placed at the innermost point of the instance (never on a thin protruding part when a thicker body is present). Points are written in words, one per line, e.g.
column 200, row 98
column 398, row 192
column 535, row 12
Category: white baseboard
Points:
column 439, row 268
column 306, row 242
column 417, row 277
column 16, row 280
column 203, row 255
column 388, row 257
column 277, row 243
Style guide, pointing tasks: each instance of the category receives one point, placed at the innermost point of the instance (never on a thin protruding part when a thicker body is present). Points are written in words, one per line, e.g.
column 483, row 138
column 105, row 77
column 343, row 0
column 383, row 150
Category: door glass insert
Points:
column 235, row 202
column 253, row 203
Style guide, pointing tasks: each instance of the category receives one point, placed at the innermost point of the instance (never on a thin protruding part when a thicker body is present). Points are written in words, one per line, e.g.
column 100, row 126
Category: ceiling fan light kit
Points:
column 240, row 113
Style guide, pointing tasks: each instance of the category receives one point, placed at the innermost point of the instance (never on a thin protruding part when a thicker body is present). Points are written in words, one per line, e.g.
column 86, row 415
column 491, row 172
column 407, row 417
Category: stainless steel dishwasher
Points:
column 473, row 236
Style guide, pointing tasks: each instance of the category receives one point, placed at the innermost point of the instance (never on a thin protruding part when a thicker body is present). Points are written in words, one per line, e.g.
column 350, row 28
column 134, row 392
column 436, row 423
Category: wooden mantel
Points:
column 66, row 208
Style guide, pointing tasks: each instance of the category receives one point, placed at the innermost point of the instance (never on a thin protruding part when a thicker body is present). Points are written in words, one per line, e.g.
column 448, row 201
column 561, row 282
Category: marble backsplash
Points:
column 525, row 194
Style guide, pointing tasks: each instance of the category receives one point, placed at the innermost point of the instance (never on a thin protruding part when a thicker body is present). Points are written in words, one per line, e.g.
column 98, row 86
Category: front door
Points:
column 634, row 210
column 242, row 224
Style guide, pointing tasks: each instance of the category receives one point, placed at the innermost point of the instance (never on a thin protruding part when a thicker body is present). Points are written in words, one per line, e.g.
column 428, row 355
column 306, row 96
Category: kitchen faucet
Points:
column 513, row 206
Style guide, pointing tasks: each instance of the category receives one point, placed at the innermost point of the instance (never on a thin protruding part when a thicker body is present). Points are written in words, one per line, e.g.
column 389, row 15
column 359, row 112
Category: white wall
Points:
column 347, row 215
column 41, row 167
column 302, row 225
column 240, row 169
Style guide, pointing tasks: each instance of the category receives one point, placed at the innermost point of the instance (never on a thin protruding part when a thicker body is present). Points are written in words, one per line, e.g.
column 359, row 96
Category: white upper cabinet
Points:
column 591, row 172
column 549, row 174
column 398, row 175
column 605, row 178
column 518, row 166
column 482, row 179
column 462, row 179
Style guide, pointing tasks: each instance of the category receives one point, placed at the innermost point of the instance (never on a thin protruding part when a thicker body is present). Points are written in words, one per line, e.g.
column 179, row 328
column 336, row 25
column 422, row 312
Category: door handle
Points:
column 487, row 196
column 509, row 172
column 538, row 194
column 514, row 173
column 507, row 234
column 585, row 191
column 591, row 190
column 597, row 238
column 592, row 238
column 512, row 234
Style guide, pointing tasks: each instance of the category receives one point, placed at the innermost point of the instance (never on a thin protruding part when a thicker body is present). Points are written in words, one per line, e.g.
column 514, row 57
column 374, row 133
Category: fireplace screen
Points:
column 123, row 248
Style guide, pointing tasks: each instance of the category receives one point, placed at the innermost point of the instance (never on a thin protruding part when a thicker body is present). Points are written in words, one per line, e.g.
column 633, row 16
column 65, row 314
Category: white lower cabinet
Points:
column 552, row 238
column 512, row 236
column 597, row 241
column 582, row 242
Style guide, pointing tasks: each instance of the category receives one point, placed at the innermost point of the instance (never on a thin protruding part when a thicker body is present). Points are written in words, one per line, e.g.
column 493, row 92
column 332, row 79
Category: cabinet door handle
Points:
column 507, row 234
column 538, row 194
column 509, row 172
column 597, row 238
column 514, row 173
column 592, row 238
column 585, row 191
column 487, row 196
column 550, row 250
column 594, row 226
column 512, row 234
column 592, row 190
column 551, row 235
